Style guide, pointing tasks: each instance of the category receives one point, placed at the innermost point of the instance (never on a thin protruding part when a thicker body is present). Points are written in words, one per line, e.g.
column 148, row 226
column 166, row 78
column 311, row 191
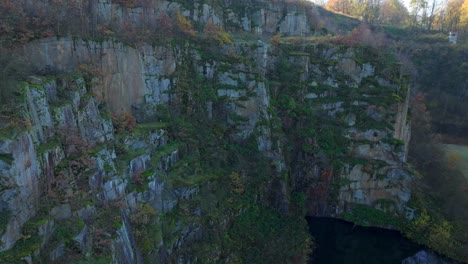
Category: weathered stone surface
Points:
column 124, row 245
column 383, row 176
column 46, row 230
column 32, row 169
column 5, row 146
column 57, row 252
column 160, row 196
column 64, row 116
column 84, row 241
column 61, row 212
column 390, row 184
column 86, row 213
column 22, row 200
column 425, row 257
column 124, row 67
column 158, row 138
column 113, row 189
column 139, row 164
column 131, row 76
column 39, row 110
column 294, row 24
column 402, row 127
column 92, row 127
column 375, row 151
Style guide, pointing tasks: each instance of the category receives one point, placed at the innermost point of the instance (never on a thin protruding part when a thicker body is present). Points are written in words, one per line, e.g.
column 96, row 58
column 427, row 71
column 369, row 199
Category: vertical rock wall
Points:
column 275, row 94
column 372, row 113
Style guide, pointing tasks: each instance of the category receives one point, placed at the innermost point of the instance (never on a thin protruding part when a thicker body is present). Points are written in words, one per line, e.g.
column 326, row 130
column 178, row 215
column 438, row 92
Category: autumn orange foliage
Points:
column 184, row 25
column 217, row 34
column 124, row 122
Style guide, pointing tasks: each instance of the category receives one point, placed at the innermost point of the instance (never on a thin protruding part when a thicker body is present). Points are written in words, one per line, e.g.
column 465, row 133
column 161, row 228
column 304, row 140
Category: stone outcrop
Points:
column 128, row 76
column 378, row 176
column 377, row 133
column 425, row 257
column 31, row 176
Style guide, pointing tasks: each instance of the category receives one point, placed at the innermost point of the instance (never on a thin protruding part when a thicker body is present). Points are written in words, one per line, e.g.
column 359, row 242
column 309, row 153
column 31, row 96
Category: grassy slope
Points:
column 458, row 154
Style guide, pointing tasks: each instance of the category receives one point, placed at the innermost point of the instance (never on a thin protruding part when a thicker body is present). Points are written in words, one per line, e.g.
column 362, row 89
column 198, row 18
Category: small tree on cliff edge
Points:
column 184, row 25
column 215, row 33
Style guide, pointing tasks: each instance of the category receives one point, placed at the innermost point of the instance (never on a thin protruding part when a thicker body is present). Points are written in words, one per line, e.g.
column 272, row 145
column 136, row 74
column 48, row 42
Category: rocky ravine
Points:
column 331, row 120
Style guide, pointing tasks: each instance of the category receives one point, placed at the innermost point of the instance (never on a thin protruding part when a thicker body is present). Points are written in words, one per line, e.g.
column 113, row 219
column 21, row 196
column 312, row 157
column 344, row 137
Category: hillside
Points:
column 205, row 131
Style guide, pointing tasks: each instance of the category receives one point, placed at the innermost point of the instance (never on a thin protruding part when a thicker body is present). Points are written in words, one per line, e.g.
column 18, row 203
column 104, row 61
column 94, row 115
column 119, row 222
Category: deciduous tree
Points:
column 393, row 12
column 464, row 16
column 452, row 14
column 184, row 25
column 418, row 12
column 217, row 34
column 342, row 6
column 369, row 10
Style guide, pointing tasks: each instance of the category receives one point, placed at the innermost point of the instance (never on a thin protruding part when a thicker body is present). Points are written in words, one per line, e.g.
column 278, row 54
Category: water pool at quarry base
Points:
column 339, row 242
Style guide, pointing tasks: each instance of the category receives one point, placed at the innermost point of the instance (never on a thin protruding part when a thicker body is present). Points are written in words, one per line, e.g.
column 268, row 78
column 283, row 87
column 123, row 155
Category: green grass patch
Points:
column 457, row 155
column 97, row 149
column 11, row 131
column 150, row 126
column 396, row 143
column 43, row 148
column 131, row 154
column 299, row 54
column 66, row 230
column 29, row 243
column 365, row 215
column 23, row 248
column 166, row 150
column 179, row 181
column 99, row 260
column 4, row 219
column 123, row 160
column 6, row 158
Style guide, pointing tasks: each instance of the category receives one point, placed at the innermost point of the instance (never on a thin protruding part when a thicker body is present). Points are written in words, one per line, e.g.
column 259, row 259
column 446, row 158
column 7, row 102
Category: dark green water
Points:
column 342, row 242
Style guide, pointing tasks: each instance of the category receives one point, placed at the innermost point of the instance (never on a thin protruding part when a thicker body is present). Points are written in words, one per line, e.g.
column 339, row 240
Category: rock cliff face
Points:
column 331, row 120
column 63, row 158
column 375, row 128
column 145, row 67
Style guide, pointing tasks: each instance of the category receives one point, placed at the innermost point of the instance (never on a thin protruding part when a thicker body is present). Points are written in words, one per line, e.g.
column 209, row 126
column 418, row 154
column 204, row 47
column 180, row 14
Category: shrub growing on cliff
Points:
column 124, row 122
column 262, row 235
column 127, row 3
column 212, row 32
column 438, row 194
column 13, row 70
column 166, row 26
column 362, row 35
column 183, row 25
column 14, row 25
column 146, row 228
column 436, row 234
